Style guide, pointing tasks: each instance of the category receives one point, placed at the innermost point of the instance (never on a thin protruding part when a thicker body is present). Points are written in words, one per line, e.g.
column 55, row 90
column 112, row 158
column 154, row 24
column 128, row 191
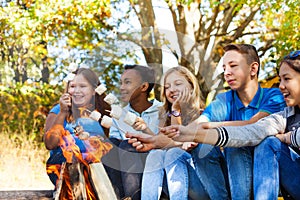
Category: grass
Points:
column 22, row 164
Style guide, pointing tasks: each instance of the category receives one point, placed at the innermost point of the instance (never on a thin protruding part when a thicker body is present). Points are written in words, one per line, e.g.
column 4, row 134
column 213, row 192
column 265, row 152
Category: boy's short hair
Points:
column 146, row 73
column 248, row 50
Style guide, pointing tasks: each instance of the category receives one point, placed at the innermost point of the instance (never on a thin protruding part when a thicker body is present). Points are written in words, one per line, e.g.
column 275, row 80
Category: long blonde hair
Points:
column 195, row 106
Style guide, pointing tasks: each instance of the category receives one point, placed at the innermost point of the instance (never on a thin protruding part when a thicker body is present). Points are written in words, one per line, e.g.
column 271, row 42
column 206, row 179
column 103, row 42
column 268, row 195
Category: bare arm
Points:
column 144, row 142
column 204, row 130
column 254, row 119
column 192, row 133
column 52, row 142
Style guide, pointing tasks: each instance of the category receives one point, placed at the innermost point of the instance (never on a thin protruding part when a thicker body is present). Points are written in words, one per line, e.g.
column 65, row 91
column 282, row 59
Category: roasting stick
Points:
column 114, row 125
column 117, row 127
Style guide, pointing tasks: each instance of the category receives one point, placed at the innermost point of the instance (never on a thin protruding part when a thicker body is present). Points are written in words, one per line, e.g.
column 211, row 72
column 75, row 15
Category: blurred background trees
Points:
column 39, row 39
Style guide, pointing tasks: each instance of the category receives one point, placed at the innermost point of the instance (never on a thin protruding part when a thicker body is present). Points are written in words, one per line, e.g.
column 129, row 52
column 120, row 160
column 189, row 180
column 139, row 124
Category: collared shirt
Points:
column 228, row 107
column 150, row 116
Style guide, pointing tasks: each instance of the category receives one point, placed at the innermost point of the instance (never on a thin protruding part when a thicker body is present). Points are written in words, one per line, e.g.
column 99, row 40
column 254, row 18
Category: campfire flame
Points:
column 96, row 148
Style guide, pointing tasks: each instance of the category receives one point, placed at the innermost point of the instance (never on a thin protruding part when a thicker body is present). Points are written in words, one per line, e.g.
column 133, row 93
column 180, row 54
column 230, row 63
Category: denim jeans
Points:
column 132, row 165
column 152, row 181
column 124, row 166
column 274, row 161
column 111, row 163
column 240, row 172
column 211, row 169
column 182, row 181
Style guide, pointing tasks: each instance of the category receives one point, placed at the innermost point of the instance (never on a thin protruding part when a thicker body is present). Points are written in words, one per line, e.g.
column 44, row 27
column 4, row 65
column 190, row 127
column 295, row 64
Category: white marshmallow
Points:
column 116, row 111
column 100, row 89
column 95, row 115
column 69, row 77
column 110, row 99
column 106, row 121
column 130, row 118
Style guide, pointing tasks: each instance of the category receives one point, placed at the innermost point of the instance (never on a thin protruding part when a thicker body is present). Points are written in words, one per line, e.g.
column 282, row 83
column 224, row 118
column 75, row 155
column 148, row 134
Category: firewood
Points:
column 101, row 182
column 77, row 180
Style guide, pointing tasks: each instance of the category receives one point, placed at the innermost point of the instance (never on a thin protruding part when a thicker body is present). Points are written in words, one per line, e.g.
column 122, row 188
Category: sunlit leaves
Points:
column 28, row 27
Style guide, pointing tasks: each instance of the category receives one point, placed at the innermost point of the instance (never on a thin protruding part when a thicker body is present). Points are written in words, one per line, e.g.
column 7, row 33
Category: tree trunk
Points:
column 150, row 44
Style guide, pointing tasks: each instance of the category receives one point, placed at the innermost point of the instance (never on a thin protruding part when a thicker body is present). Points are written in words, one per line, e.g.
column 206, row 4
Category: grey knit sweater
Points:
column 253, row 134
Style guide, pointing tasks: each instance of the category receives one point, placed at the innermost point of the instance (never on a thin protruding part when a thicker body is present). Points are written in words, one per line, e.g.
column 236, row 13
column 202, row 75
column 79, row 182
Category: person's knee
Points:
column 269, row 143
column 156, row 155
column 203, row 151
column 154, row 161
column 176, row 154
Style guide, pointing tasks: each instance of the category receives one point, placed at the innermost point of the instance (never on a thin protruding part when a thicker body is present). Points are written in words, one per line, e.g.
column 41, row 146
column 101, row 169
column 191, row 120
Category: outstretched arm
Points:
column 144, row 142
column 253, row 119
column 191, row 133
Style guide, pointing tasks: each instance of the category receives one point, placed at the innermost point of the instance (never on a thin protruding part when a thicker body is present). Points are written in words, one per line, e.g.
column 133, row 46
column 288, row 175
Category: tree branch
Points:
column 229, row 13
column 245, row 23
column 212, row 24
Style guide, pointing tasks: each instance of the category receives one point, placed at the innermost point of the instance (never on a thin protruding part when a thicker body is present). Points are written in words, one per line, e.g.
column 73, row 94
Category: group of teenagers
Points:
column 243, row 145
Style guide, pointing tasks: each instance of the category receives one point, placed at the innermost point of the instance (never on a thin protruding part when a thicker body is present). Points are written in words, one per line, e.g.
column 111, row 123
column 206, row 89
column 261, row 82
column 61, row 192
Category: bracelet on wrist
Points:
column 175, row 113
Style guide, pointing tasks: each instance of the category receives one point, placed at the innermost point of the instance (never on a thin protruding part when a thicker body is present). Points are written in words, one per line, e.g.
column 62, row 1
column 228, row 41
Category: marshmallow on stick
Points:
column 69, row 77
column 106, row 121
column 100, row 89
column 116, row 111
column 111, row 99
column 130, row 118
column 95, row 115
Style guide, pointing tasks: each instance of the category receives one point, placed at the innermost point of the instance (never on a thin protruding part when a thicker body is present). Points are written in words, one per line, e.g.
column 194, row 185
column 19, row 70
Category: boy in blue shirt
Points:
column 246, row 102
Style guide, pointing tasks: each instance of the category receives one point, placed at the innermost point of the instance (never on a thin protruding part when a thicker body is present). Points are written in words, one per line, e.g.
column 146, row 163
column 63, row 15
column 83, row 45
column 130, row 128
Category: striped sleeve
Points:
column 294, row 138
column 223, row 136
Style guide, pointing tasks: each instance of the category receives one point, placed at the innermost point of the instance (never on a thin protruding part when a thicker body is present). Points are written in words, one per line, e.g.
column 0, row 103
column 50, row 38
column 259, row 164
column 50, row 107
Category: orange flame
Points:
column 96, row 148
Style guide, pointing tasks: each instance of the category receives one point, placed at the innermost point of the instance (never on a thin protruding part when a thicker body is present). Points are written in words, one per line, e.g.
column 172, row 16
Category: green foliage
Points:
column 288, row 36
column 29, row 28
column 24, row 108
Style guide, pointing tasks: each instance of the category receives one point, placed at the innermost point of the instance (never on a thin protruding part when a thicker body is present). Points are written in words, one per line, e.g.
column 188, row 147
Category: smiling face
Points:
column 131, row 82
column 290, row 85
column 82, row 91
column 237, row 72
column 175, row 83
